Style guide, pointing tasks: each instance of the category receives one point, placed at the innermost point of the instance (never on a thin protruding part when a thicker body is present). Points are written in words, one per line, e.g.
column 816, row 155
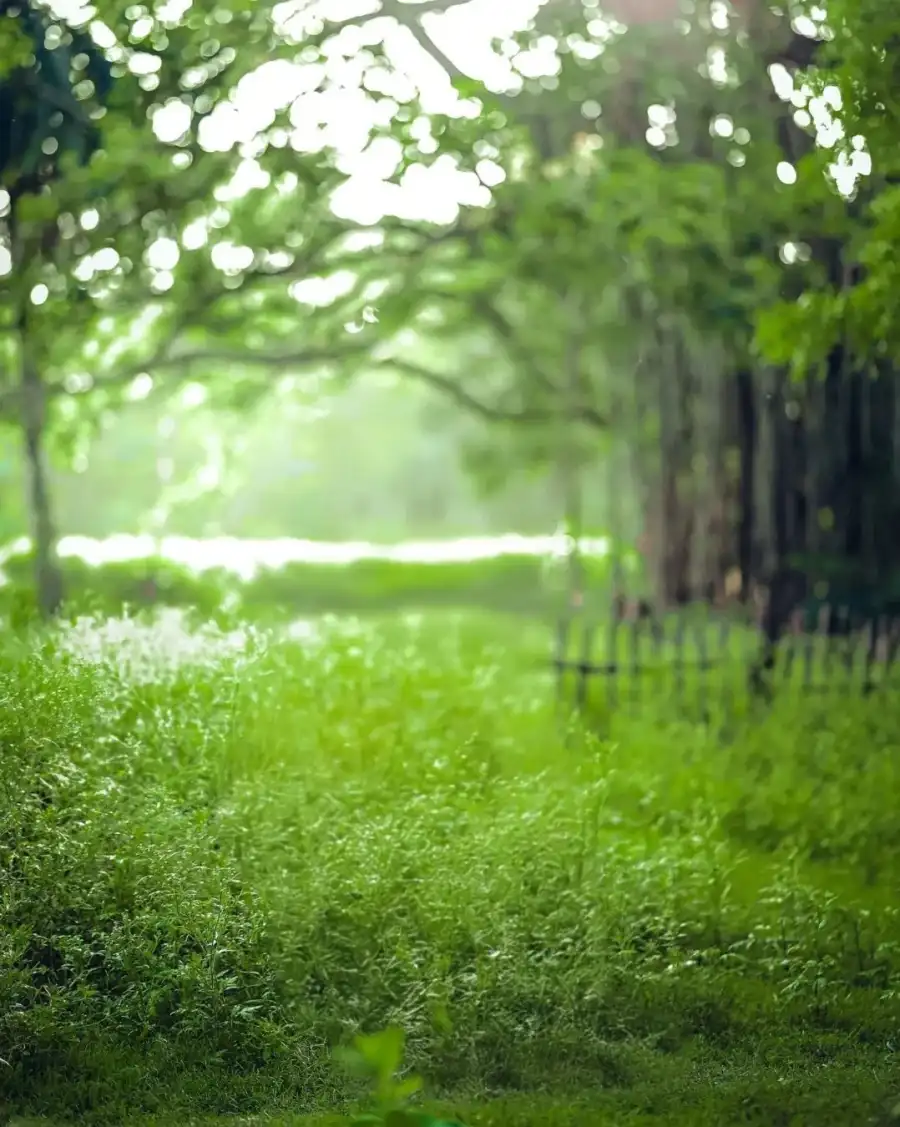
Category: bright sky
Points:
column 329, row 108
column 340, row 116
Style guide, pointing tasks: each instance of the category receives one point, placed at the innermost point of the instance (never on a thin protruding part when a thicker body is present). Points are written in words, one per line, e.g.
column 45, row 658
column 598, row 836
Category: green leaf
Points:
column 15, row 46
column 468, row 87
column 382, row 1052
column 407, row 1087
column 37, row 209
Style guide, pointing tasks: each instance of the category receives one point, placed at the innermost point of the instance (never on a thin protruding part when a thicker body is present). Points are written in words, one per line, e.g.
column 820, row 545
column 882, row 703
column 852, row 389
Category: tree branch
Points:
column 484, row 308
column 163, row 358
column 449, row 387
column 408, row 15
column 438, row 381
column 519, row 354
column 396, row 9
column 437, row 7
column 304, row 358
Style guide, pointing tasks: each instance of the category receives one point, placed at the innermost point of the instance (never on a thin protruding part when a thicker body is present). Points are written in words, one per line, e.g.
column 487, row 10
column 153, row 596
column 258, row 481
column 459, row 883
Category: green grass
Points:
column 217, row 869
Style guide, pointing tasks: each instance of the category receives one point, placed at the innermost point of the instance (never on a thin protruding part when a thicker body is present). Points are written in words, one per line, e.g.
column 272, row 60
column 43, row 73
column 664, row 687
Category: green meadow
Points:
column 226, row 853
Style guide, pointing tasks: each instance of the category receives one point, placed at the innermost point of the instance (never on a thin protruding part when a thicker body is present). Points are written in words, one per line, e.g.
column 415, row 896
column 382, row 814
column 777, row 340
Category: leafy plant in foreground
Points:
column 379, row 1056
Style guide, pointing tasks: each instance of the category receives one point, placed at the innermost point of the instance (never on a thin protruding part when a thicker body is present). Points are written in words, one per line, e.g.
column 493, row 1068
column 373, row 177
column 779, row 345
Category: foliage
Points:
column 605, row 918
column 44, row 119
column 665, row 227
column 858, row 60
column 540, row 304
column 576, row 194
column 852, row 80
column 591, row 248
column 378, row 1057
column 102, row 241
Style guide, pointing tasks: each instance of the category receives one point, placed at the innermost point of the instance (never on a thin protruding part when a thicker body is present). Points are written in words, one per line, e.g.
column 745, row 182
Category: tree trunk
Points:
column 747, row 431
column 570, row 455
column 47, row 575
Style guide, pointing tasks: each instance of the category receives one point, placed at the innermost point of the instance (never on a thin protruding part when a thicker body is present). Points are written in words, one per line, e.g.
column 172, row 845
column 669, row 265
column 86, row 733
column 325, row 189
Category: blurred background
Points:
column 443, row 309
column 344, row 273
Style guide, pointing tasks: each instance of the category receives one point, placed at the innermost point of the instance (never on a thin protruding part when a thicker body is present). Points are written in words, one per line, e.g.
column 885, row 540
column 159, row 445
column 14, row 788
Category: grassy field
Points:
column 504, row 582
column 224, row 855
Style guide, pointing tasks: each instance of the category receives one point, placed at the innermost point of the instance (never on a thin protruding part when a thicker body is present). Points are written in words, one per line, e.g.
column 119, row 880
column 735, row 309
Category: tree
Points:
column 802, row 455
column 527, row 270
column 840, row 331
column 634, row 279
column 597, row 251
column 108, row 154
column 40, row 116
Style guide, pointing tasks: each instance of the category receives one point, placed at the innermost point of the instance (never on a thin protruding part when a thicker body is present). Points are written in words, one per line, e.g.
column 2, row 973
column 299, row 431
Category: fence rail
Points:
column 694, row 652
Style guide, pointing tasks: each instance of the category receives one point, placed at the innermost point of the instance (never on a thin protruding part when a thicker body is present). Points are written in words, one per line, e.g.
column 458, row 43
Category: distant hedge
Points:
column 520, row 583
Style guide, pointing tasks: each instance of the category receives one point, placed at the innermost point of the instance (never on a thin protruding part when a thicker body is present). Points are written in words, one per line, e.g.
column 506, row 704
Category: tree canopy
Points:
column 239, row 194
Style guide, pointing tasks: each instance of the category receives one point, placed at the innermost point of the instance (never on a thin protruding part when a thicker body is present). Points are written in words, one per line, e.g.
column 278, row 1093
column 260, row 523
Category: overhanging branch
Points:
column 183, row 362
column 304, row 358
column 406, row 14
column 521, row 355
column 449, row 387
column 446, row 385
column 485, row 309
